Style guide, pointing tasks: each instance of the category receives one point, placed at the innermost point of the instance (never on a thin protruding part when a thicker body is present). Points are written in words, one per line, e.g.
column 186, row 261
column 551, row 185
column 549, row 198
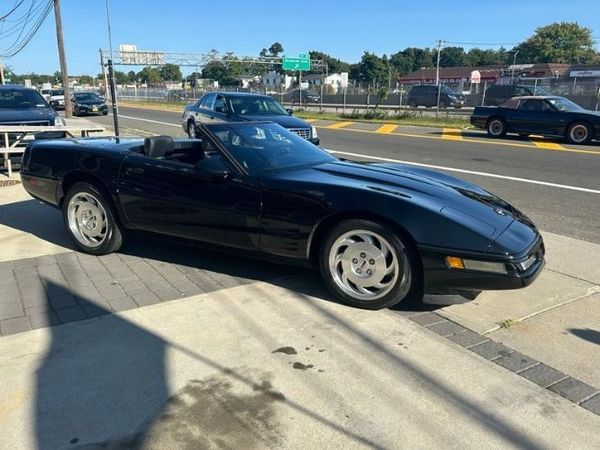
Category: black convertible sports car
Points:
column 546, row 115
column 378, row 232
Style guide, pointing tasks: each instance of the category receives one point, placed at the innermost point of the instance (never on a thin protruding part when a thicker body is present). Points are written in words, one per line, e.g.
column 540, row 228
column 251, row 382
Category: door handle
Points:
column 134, row 170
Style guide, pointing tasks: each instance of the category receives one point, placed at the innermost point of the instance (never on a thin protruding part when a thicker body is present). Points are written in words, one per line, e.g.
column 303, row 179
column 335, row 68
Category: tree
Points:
column 170, row 72
column 334, row 65
column 149, row 75
column 411, row 59
column 121, row 77
column 452, row 57
column 372, row 68
column 85, row 79
column 132, row 76
column 487, row 57
column 275, row 49
column 559, row 42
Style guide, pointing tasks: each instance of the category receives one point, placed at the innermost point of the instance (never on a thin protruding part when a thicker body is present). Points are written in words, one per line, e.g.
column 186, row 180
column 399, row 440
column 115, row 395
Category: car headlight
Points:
column 60, row 121
column 313, row 131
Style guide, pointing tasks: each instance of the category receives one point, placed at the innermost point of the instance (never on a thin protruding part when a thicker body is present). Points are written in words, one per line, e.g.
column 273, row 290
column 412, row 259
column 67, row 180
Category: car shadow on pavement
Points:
column 37, row 219
column 587, row 334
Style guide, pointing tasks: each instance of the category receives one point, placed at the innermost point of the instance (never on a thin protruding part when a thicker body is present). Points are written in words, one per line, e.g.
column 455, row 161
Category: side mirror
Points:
column 290, row 111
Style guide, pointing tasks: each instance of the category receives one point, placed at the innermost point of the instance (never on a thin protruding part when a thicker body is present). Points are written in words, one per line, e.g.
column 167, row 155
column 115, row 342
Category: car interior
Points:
column 186, row 151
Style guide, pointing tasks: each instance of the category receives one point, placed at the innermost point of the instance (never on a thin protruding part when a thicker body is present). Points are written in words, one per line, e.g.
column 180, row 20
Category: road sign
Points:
column 300, row 63
column 476, row 77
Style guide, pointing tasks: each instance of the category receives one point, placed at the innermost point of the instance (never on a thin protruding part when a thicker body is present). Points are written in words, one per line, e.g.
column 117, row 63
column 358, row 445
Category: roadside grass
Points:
column 407, row 118
column 373, row 116
column 507, row 323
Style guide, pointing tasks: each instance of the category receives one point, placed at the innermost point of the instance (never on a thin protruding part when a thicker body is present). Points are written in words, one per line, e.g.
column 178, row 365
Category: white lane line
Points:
column 429, row 166
column 472, row 172
column 150, row 120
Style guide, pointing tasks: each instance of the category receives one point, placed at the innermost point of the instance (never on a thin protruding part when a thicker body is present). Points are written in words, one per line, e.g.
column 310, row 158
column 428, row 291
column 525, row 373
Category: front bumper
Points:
column 92, row 109
column 522, row 270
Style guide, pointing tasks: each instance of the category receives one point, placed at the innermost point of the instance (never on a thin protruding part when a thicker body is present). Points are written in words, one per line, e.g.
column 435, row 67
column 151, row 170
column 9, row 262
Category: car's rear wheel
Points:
column 191, row 130
column 580, row 133
column 368, row 266
column 90, row 220
column 496, row 127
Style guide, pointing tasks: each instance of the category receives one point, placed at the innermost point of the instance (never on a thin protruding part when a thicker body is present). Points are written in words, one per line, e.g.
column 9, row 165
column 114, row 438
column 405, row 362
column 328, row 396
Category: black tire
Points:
column 496, row 127
column 362, row 257
column 413, row 103
column 580, row 133
column 101, row 220
column 443, row 104
column 192, row 131
column 104, row 113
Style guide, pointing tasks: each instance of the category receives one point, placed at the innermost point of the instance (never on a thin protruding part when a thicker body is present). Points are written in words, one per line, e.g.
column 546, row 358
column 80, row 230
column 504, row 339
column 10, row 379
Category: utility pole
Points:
column 437, row 70
column 1, row 72
column 63, row 60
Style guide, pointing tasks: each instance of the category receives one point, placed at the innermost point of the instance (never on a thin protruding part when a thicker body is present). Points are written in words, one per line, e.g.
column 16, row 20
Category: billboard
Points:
column 129, row 54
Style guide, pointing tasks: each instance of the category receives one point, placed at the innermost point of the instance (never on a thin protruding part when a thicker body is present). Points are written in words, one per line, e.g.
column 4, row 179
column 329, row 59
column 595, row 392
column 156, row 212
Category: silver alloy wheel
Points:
column 578, row 133
column 365, row 266
column 496, row 127
column 191, row 129
column 87, row 219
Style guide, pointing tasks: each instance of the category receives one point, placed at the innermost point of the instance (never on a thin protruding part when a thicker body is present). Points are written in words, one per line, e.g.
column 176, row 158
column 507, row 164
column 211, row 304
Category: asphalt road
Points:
column 559, row 188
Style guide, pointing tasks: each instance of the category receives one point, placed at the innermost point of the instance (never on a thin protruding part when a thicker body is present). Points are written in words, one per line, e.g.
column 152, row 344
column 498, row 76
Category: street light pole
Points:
column 437, row 70
column 512, row 75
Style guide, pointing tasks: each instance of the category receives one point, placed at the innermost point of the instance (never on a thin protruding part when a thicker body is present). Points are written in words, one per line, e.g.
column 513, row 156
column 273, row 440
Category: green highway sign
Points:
column 300, row 63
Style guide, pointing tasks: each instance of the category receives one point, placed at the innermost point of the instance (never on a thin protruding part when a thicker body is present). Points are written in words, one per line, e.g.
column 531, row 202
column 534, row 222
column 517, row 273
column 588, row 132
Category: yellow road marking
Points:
column 472, row 141
column 310, row 120
column 547, row 145
column 338, row 125
column 386, row 129
column 453, row 134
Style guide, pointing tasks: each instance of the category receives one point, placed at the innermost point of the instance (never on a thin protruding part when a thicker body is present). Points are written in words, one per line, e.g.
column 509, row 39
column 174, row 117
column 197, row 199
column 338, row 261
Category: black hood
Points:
column 24, row 115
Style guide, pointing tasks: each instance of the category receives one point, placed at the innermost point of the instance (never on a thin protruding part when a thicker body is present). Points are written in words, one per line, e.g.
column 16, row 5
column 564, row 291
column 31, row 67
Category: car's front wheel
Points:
column 90, row 220
column 496, row 127
column 191, row 130
column 580, row 133
column 366, row 265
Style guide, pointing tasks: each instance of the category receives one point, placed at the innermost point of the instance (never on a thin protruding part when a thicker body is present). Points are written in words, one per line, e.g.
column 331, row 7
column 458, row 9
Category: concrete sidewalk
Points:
column 266, row 366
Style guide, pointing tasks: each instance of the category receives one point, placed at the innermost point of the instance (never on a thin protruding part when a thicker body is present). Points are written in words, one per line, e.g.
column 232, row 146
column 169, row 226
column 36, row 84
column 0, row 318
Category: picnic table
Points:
column 14, row 138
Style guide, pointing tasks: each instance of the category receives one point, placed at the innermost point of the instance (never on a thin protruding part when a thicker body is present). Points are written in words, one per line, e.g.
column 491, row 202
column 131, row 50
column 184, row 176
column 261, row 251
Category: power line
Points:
column 12, row 10
column 483, row 44
column 36, row 14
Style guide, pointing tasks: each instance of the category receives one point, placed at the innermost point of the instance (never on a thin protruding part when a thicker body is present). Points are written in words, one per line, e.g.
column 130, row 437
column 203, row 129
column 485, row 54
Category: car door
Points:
column 192, row 201
column 220, row 109
column 537, row 116
column 204, row 112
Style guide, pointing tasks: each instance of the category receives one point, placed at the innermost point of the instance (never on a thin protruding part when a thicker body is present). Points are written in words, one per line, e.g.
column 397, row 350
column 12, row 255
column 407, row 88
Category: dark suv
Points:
column 427, row 95
column 499, row 93
column 216, row 107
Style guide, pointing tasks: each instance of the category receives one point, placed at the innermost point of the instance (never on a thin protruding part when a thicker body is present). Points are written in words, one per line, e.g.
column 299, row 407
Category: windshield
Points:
column 87, row 96
column 563, row 104
column 20, row 99
column 57, row 92
column 256, row 106
column 268, row 146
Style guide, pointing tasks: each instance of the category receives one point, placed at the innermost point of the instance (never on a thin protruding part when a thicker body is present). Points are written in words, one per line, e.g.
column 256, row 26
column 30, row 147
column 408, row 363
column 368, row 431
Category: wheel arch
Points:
column 583, row 121
column 77, row 176
column 323, row 228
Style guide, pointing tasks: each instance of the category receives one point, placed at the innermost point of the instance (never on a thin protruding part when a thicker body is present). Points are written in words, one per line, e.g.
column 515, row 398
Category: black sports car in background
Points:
column 85, row 103
column 379, row 233
column 546, row 115
column 218, row 107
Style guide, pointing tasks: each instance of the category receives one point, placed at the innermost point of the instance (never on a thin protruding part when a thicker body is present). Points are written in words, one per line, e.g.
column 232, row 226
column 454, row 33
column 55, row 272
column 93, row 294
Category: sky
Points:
column 341, row 29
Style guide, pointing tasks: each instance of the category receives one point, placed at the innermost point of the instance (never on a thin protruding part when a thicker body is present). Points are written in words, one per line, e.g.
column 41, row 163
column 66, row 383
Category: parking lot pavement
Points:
column 269, row 365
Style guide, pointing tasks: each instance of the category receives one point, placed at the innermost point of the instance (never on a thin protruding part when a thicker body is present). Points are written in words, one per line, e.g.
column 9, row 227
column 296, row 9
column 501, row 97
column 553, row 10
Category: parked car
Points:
column 57, row 99
column 499, row 93
column 85, row 103
column 427, row 95
column 217, row 107
column 306, row 97
column 379, row 233
column 25, row 106
column 546, row 115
